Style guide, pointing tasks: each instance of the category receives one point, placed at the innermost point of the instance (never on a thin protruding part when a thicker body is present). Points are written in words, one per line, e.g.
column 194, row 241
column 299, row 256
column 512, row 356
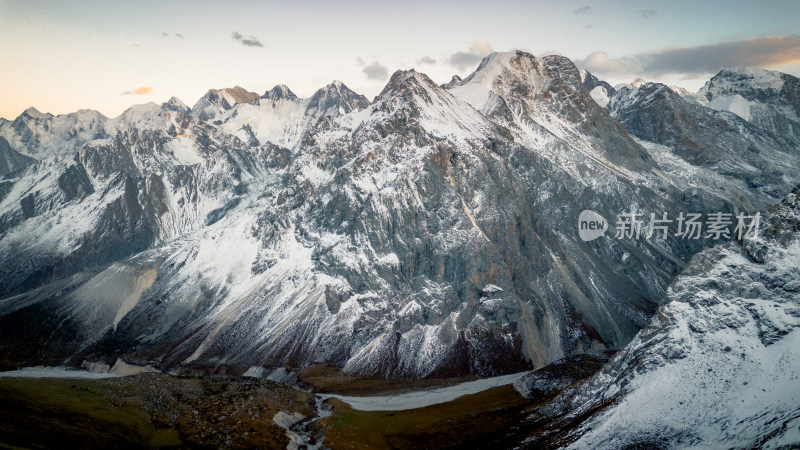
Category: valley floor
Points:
column 163, row 411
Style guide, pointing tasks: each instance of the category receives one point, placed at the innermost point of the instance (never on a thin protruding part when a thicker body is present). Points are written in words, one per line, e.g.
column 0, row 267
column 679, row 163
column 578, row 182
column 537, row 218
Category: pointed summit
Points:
column 334, row 100
column 279, row 92
column 174, row 104
column 215, row 101
column 455, row 81
column 407, row 83
column 35, row 113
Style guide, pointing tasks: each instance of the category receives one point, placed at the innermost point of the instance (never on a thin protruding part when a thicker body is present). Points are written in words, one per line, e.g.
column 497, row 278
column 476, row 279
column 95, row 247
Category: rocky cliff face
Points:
column 717, row 365
column 430, row 232
column 600, row 90
column 12, row 160
column 768, row 99
column 732, row 147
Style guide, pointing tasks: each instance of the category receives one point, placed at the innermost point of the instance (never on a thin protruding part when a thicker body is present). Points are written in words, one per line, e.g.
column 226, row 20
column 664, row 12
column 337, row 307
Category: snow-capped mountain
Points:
column 430, row 232
column 768, row 99
column 278, row 117
column 718, row 366
column 41, row 135
column 738, row 151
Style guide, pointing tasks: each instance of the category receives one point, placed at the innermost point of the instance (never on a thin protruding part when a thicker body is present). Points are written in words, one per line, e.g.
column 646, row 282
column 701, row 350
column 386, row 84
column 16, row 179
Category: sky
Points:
column 60, row 56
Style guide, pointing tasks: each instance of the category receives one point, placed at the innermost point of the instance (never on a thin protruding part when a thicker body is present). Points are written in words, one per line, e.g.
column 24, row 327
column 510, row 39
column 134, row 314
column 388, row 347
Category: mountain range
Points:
column 430, row 232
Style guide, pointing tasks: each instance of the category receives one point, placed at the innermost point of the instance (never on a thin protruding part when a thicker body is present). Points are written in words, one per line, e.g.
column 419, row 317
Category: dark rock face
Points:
column 432, row 232
column 767, row 99
column 590, row 82
column 11, row 160
column 704, row 137
column 335, row 99
column 279, row 92
column 727, row 338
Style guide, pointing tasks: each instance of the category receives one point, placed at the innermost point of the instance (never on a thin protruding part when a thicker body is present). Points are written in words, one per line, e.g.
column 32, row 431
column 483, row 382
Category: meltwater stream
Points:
column 421, row 399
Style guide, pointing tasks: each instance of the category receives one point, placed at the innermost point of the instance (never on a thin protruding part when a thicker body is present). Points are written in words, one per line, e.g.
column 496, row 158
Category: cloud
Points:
column 767, row 51
column 699, row 60
column 376, row 71
column 360, row 61
column 141, row 90
column 583, row 10
column 465, row 60
column 646, row 13
column 599, row 62
column 250, row 41
column 481, row 48
column 167, row 35
column 426, row 60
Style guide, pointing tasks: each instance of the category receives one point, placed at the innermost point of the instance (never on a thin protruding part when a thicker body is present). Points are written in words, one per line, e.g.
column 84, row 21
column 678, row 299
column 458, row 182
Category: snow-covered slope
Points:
column 766, row 98
column 278, row 117
column 719, row 364
column 767, row 163
column 40, row 135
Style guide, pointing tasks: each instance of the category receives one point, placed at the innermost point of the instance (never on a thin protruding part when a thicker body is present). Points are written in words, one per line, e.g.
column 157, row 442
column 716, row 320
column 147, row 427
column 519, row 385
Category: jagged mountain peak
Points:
column 751, row 83
column 766, row 98
column 216, row 101
column 750, row 76
column 561, row 67
column 175, row 104
column 410, row 86
column 35, row 114
column 633, row 84
column 239, row 94
column 228, row 97
column 407, row 79
column 279, row 92
column 339, row 88
column 455, row 81
column 515, row 68
column 336, row 99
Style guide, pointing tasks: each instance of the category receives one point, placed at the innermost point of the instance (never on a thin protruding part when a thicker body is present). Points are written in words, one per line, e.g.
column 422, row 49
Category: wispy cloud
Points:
column 467, row 60
column 249, row 41
column 141, row 90
column 169, row 35
column 767, row 51
column 699, row 60
column 583, row 10
column 646, row 13
column 600, row 62
column 426, row 60
column 376, row 71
